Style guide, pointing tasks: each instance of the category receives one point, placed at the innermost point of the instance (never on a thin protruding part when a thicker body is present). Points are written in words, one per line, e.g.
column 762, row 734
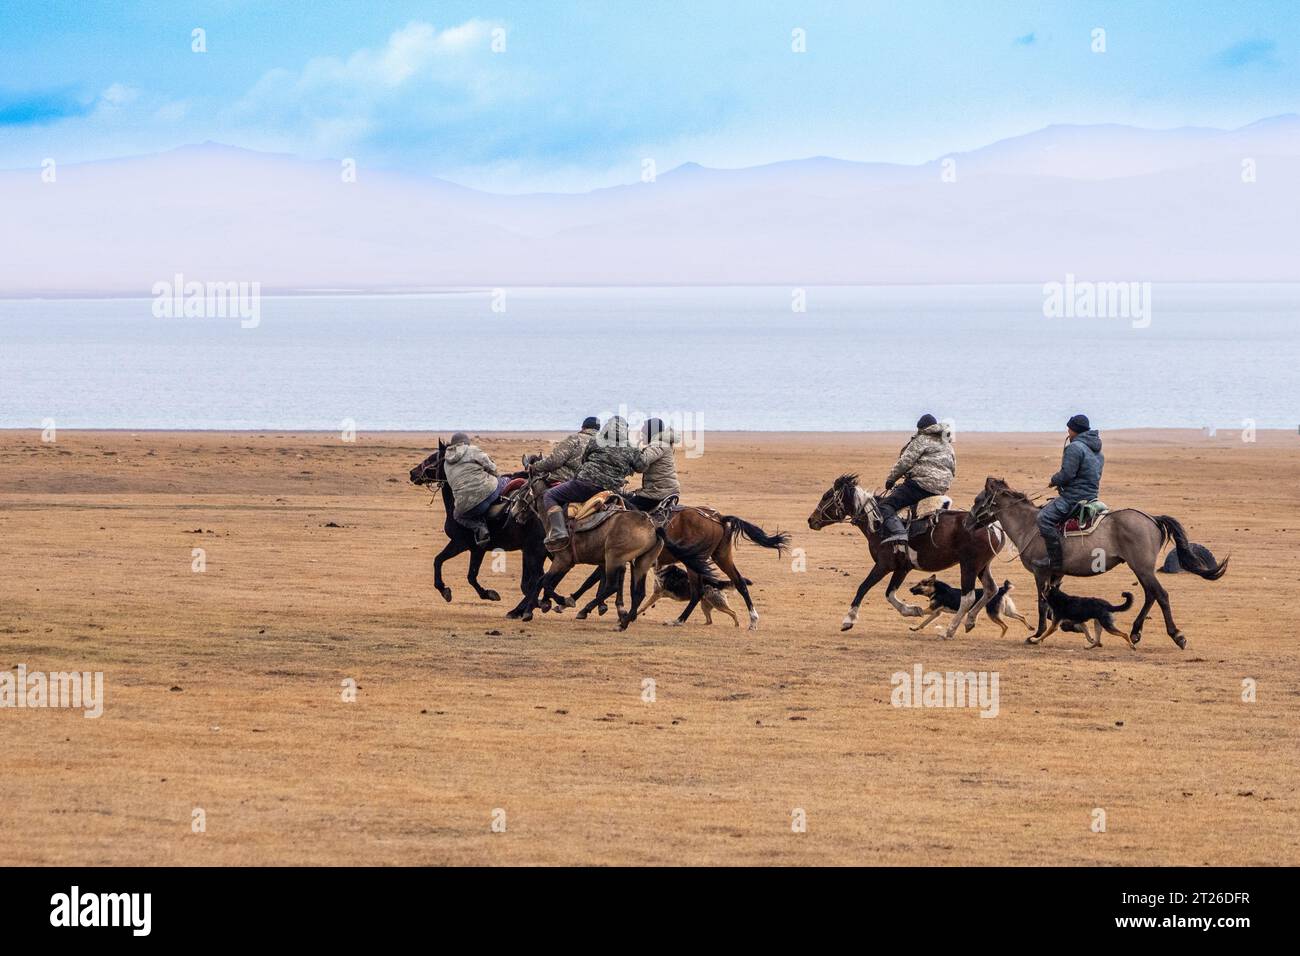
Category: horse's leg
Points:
column 592, row 580
column 595, row 577
column 870, row 581
column 1040, row 587
column 452, row 549
column 696, row 593
column 722, row 557
column 986, row 579
column 896, row 582
column 475, row 562
column 561, row 562
column 528, row 580
column 640, row 568
column 968, row 600
column 1151, row 584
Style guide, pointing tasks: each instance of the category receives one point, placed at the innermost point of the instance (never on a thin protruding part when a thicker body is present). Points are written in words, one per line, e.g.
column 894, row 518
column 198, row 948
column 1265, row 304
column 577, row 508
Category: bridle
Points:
column 823, row 513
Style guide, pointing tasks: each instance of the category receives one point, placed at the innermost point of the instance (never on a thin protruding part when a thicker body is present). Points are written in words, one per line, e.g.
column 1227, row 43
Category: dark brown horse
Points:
column 949, row 542
column 705, row 531
column 1126, row 536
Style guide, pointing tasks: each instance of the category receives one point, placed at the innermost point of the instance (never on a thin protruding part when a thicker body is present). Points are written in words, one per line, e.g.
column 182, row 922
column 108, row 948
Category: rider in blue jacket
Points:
column 1078, row 480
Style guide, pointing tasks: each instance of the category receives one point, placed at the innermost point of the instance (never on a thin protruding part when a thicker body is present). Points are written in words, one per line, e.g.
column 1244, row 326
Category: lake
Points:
column 858, row 358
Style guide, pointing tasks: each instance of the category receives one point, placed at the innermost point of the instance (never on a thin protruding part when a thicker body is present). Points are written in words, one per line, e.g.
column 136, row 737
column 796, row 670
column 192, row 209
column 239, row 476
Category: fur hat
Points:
column 460, row 438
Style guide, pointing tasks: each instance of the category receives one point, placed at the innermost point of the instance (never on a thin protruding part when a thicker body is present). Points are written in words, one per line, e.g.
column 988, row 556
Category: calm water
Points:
column 859, row 358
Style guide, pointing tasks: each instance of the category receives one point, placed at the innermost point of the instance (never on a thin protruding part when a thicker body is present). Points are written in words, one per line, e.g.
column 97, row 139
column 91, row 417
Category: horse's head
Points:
column 987, row 503
column 528, row 503
column 838, row 504
column 432, row 469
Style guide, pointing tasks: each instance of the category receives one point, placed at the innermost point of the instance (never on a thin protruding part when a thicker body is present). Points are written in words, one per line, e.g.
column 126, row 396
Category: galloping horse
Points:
column 506, row 535
column 949, row 542
column 704, row 531
column 1127, row 536
column 625, row 537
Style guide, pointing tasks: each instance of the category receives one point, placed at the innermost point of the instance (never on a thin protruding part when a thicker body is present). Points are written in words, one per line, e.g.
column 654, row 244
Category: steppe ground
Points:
column 224, row 687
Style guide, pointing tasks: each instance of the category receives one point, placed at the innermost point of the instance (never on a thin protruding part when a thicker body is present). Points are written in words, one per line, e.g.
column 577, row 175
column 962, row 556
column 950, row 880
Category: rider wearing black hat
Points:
column 1078, row 480
column 563, row 461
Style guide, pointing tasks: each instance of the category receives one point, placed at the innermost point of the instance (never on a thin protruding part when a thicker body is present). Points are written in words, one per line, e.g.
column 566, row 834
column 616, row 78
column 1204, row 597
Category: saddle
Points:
column 594, row 511
column 919, row 518
column 508, row 495
column 1085, row 518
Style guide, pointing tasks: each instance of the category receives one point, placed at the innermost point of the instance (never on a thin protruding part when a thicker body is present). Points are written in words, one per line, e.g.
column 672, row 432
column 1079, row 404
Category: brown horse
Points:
column 705, row 532
column 949, row 542
column 1127, row 536
column 626, row 537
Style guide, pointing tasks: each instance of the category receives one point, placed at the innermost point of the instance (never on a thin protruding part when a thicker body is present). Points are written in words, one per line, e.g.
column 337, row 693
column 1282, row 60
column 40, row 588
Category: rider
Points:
column 1078, row 480
column 609, row 458
column 659, row 479
column 927, row 466
column 562, row 463
column 475, row 484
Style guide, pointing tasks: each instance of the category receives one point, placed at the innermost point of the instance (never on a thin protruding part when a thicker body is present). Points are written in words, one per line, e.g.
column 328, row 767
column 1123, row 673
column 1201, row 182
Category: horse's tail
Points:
column 1187, row 558
column 1128, row 603
column 695, row 558
column 739, row 526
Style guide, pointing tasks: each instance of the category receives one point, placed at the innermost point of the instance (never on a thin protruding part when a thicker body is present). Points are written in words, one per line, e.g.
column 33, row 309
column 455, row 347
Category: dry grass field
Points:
column 224, row 688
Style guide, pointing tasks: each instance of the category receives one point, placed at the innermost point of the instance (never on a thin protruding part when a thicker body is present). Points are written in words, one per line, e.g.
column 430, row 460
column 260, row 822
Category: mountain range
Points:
column 1102, row 202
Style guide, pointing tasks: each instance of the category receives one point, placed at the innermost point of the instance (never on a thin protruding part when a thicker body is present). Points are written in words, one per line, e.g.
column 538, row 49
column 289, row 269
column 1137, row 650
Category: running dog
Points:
column 1074, row 613
column 944, row 598
column 674, row 582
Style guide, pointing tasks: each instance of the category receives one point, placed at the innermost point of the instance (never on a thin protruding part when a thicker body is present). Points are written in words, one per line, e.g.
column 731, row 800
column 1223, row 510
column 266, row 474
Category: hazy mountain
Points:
column 1102, row 202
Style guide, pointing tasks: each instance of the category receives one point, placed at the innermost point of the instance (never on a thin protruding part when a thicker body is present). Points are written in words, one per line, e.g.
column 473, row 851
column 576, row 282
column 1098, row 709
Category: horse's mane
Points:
column 849, row 479
column 1003, row 488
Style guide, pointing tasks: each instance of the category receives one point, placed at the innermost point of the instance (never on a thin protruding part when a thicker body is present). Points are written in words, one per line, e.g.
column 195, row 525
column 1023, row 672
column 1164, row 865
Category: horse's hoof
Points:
column 1030, row 640
column 1135, row 637
column 602, row 609
column 580, row 616
column 1181, row 640
column 675, row 622
column 846, row 626
column 446, row 593
column 526, row 616
column 753, row 626
column 914, row 627
column 513, row 615
column 491, row 596
column 568, row 602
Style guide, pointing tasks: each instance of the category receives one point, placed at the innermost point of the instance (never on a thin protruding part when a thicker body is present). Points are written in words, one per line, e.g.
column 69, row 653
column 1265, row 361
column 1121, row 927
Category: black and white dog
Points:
column 1073, row 614
column 944, row 598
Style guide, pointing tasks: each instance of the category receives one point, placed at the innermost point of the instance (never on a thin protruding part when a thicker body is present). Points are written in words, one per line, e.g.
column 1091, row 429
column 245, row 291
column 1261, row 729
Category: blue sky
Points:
column 584, row 91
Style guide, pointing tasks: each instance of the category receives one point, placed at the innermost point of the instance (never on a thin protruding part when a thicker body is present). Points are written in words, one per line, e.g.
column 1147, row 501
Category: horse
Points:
column 526, row 537
column 707, row 532
column 1126, row 536
column 948, row 542
column 625, row 537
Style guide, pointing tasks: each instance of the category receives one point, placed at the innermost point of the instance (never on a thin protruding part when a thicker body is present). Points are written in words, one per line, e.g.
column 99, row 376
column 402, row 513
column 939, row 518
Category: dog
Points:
column 674, row 582
column 1073, row 614
column 944, row 598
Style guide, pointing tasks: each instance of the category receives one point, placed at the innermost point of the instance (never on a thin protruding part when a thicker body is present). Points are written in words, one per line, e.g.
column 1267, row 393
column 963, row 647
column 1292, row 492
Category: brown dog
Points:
column 673, row 581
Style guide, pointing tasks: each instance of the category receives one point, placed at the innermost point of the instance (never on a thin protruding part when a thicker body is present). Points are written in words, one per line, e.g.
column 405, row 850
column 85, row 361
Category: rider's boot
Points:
column 1055, row 560
column 557, row 534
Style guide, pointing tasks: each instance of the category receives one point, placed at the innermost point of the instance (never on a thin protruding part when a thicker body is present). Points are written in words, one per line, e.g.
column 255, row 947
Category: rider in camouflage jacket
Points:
column 563, row 461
